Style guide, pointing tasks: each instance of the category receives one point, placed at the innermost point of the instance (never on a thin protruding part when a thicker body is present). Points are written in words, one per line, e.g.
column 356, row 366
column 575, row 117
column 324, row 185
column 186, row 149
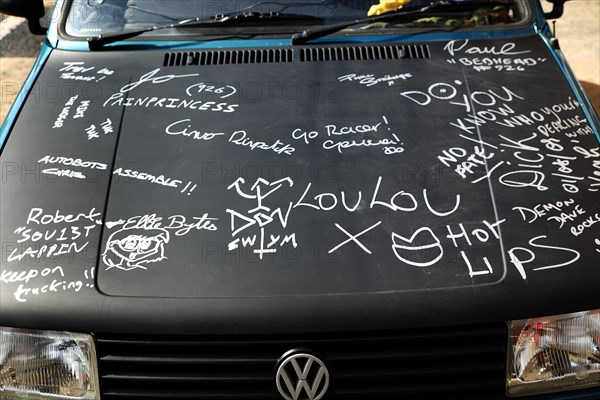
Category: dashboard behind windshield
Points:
column 87, row 18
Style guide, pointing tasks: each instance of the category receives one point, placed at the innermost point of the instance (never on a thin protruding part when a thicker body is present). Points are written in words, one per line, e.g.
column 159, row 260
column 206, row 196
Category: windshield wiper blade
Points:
column 237, row 19
column 446, row 5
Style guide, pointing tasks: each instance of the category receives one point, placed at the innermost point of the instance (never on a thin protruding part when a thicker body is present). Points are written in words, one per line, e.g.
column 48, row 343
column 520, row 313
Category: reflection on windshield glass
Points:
column 95, row 17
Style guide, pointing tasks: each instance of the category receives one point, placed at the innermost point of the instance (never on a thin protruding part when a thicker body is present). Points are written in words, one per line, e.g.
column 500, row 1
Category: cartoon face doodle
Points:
column 129, row 249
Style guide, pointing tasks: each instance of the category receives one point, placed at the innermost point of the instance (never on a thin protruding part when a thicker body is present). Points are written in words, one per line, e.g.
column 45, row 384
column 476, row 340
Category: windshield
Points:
column 98, row 17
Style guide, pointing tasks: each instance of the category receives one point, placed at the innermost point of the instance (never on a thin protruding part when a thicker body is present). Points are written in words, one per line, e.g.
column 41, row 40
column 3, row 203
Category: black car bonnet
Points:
column 312, row 171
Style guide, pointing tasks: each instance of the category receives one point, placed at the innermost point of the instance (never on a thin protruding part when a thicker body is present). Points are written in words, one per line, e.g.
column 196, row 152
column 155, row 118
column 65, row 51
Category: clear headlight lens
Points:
column 44, row 364
column 554, row 354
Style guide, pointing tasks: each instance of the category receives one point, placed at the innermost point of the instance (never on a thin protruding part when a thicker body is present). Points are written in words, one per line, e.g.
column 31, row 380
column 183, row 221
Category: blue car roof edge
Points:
column 24, row 93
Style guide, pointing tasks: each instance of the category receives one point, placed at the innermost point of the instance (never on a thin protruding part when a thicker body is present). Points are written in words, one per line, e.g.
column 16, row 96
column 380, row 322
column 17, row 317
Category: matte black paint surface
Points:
column 201, row 286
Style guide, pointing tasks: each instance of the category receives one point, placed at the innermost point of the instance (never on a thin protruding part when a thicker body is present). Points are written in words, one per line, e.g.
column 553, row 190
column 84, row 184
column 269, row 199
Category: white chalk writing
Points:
column 77, row 71
column 371, row 80
column 64, row 114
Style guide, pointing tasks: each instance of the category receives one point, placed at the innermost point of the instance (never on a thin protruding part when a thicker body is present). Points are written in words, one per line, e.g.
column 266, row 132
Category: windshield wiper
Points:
column 444, row 5
column 237, row 19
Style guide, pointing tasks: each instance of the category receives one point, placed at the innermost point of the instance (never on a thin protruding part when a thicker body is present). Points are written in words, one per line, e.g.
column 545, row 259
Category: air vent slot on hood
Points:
column 352, row 53
column 221, row 57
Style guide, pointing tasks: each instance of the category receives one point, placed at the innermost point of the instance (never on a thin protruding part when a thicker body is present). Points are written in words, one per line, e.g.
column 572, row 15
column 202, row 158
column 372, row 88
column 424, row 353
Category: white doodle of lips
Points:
column 435, row 244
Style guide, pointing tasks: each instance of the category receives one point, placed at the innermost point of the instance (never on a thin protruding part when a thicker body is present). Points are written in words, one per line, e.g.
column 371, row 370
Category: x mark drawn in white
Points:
column 354, row 238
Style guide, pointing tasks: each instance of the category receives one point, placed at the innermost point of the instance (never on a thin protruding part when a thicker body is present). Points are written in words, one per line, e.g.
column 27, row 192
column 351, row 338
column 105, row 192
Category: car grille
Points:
column 449, row 363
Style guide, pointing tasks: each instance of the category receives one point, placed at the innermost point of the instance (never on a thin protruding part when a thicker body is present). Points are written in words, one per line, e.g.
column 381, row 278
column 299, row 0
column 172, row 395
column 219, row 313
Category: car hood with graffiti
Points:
column 266, row 187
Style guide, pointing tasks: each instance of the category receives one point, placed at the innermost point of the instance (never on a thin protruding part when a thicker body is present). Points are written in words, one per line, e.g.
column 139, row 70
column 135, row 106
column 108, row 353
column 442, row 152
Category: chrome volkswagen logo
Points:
column 301, row 376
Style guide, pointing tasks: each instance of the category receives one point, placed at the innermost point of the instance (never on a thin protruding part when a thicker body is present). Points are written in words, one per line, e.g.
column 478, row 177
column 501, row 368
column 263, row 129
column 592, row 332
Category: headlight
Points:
column 554, row 354
column 43, row 364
